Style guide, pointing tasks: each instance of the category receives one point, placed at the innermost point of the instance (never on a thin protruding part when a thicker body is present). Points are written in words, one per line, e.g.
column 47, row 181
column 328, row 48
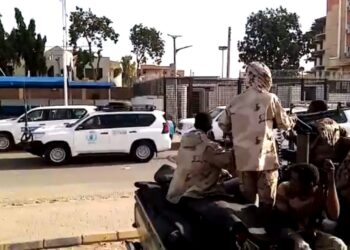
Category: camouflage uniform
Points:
column 324, row 145
column 200, row 166
column 251, row 117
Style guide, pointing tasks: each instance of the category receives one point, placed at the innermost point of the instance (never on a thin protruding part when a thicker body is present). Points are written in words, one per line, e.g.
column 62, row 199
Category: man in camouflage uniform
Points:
column 324, row 145
column 200, row 164
column 251, row 117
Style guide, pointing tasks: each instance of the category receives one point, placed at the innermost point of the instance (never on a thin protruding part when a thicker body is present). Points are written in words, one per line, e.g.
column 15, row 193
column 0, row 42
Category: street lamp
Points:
column 176, row 50
column 222, row 48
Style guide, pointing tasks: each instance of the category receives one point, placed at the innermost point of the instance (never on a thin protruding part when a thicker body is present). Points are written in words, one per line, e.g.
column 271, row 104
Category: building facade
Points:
column 337, row 42
column 109, row 71
column 150, row 72
column 318, row 56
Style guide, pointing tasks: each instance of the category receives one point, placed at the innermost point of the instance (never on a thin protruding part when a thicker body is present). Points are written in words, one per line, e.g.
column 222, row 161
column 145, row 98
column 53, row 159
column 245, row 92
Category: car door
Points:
column 36, row 118
column 122, row 131
column 129, row 128
column 92, row 136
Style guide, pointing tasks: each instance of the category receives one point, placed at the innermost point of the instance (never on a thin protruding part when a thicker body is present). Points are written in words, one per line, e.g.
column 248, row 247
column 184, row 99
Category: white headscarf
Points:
column 258, row 77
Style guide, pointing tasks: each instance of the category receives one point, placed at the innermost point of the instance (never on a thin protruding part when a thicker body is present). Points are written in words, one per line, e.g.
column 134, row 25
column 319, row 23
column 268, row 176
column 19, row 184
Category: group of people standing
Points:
column 298, row 205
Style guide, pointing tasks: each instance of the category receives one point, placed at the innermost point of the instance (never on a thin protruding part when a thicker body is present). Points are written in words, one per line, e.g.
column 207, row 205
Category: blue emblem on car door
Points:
column 91, row 137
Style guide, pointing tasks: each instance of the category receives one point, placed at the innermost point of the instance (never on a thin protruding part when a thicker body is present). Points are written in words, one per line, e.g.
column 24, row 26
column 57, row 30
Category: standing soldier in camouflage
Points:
column 250, row 118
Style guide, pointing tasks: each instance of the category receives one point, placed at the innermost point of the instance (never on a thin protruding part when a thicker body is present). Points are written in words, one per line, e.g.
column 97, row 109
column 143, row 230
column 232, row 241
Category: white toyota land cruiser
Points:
column 11, row 130
column 138, row 133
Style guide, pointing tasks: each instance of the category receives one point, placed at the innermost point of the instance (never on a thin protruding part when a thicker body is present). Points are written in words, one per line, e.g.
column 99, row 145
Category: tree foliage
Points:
column 146, row 42
column 128, row 71
column 94, row 30
column 23, row 43
column 273, row 36
column 6, row 51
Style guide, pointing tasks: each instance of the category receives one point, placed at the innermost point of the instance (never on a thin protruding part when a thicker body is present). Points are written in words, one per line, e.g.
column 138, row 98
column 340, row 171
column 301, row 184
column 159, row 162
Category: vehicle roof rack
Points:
column 146, row 107
column 109, row 108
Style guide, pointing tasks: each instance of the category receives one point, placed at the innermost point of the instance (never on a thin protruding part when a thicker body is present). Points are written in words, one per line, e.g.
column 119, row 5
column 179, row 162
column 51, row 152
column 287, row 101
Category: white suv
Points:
column 11, row 130
column 138, row 133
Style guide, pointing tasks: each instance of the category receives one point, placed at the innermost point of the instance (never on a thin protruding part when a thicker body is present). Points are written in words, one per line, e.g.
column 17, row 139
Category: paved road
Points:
column 23, row 176
column 88, row 196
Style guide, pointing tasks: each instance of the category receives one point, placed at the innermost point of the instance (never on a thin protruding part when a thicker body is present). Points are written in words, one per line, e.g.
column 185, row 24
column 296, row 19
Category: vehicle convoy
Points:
column 208, row 223
column 138, row 133
column 11, row 130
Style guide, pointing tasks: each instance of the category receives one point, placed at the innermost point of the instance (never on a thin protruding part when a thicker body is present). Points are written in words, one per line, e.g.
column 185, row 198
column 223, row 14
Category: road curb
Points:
column 85, row 239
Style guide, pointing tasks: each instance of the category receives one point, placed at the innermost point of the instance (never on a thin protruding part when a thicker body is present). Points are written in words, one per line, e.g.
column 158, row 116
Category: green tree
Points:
column 128, row 71
column 94, row 30
column 28, row 45
column 83, row 58
column 6, row 50
column 146, row 41
column 273, row 36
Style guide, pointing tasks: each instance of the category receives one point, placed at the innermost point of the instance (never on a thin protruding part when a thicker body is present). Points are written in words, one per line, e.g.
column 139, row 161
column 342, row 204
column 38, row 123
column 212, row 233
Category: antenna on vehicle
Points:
column 26, row 133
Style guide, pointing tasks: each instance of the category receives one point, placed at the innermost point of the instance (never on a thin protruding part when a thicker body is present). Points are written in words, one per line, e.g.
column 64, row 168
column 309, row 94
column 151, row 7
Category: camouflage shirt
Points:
column 200, row 166
column 251, row 117
column 323, row 147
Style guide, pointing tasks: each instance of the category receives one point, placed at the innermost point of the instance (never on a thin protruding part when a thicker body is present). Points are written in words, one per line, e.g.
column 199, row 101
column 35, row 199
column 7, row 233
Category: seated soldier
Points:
column 301, row 201
column 329, row 143
column 343, row 187
column 200, row 164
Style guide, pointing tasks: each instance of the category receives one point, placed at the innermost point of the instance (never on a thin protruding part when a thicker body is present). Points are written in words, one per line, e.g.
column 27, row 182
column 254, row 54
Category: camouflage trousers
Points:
column 261, row 183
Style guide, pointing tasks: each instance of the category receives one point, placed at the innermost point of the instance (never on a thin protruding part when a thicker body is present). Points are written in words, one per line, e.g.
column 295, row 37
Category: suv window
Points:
column 92, row 123
column 58, row 114
column 78, row 113
column 127, row 120
column 35, row 116
column 145, row 120
column 119, row 121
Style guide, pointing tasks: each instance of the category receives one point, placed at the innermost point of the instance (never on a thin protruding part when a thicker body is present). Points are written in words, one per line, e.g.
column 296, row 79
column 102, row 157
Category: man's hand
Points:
column 329, row 168
column 301, row 245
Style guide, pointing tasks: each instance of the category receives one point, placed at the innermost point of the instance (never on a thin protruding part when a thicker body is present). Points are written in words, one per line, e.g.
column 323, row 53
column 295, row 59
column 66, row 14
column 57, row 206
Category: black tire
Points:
column 6, row 142
column 57, row 154
column 143, row 151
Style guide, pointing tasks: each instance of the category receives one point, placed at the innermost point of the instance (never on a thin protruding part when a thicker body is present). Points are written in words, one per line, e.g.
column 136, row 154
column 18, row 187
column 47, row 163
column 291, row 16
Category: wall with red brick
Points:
column 76, row 94
column 9, row 93
column 122, row 93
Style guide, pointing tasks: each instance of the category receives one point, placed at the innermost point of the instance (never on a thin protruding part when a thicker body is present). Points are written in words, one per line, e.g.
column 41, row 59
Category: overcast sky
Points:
column 202, row 23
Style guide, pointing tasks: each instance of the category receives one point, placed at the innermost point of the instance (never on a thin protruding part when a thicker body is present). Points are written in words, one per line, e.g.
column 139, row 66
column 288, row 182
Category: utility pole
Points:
column 65, row 35
column 222, row 48
column 175, row 73
column 228, row 53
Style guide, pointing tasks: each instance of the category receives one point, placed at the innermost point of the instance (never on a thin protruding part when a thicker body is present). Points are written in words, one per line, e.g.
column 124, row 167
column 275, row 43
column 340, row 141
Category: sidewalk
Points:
column 65, row 219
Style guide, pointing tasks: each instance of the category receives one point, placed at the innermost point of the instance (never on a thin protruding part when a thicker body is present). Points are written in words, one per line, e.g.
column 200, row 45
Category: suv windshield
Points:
column 76, row 122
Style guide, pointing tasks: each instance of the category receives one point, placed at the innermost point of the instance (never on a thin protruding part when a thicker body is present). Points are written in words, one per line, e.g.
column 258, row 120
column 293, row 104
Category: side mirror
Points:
column 80, row 127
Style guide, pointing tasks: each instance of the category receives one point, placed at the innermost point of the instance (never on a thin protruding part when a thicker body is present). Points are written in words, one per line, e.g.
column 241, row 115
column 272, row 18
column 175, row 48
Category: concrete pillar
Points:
column 83, row 94
column 20, row 94
column 182, row 100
